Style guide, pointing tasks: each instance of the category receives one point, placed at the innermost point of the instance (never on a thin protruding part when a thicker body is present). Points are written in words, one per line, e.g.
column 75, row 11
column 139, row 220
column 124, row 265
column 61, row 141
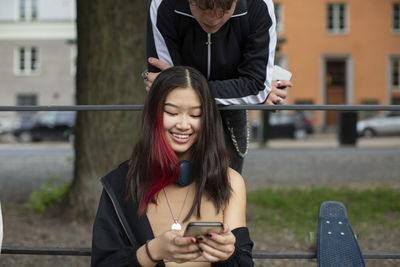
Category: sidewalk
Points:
column 329, row 140
column 325, row 140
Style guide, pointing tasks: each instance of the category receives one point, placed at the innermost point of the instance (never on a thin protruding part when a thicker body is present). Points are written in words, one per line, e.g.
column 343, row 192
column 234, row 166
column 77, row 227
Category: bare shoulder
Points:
column 236, row 180
column 235, row 210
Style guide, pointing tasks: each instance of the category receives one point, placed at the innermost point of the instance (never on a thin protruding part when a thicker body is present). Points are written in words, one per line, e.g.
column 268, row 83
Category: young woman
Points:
column 178, row 173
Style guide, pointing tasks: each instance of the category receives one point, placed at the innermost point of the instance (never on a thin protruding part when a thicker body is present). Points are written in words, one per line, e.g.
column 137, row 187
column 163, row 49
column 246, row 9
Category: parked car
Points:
column 5, row 125
column 382, row 124
column 52, row 125
column 286, row 124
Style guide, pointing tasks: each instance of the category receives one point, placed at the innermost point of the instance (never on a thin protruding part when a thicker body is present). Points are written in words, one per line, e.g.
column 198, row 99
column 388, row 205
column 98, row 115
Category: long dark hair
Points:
column 153, row 165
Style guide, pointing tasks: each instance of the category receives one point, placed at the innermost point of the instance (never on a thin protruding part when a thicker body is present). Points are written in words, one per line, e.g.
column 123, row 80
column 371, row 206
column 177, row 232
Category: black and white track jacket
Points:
column 237, row 60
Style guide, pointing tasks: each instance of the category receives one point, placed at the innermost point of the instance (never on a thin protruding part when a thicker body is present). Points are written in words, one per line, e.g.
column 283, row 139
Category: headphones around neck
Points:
column 186, row 176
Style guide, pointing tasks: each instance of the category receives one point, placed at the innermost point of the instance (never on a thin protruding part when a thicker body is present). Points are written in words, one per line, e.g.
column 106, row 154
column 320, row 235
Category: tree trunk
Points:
column 111, row 56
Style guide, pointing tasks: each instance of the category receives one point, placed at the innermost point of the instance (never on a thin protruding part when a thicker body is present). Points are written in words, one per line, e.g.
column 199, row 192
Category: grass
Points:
column 298, row 208
column 47, row 194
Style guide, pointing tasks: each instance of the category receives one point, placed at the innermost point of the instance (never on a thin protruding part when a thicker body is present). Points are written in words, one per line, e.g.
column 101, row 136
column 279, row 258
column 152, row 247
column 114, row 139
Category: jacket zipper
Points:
column 208, row 55
column 118, row 215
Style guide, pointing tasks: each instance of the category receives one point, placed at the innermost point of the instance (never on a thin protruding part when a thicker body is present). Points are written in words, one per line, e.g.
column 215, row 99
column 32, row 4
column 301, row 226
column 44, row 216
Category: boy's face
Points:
column 211, row 20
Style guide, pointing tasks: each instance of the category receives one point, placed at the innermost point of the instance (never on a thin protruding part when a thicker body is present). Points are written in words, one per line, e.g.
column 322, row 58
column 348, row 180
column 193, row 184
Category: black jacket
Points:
column 237, row 60
column 118, row 231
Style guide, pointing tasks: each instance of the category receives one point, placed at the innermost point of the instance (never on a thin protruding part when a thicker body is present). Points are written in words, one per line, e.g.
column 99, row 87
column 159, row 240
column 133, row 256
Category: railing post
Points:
column 347, row 128
column 266, row 128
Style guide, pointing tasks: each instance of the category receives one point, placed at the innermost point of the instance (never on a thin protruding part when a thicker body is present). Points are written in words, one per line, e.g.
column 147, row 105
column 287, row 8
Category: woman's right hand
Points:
column 172, row 246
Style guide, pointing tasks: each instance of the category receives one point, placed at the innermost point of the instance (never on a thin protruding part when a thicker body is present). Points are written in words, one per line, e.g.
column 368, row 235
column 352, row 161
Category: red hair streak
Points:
column 164, row 164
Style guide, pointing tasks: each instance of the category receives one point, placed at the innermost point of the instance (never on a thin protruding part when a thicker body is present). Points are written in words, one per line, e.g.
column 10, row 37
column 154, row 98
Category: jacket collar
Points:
column 182, row 8
column 114, row 187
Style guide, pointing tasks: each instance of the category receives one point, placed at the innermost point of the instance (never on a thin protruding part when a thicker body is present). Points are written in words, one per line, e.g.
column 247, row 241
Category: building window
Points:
column 22, row 9
column 396, row 17
column 336, row 73
column 395, row 72
column 28, row 10
column 21, row 60
column 396, row 101
column 337, row 18
column 34, row 9
column 26, row 100
column 278, row 15
column 27, row 60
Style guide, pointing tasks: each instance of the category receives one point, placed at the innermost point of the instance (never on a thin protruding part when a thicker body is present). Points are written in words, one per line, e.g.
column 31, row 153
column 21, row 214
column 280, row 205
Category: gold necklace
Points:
column 176, row 225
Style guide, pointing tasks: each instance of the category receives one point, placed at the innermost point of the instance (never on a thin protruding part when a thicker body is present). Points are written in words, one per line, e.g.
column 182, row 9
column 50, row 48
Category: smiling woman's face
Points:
column 211, row 20
column 182, row 120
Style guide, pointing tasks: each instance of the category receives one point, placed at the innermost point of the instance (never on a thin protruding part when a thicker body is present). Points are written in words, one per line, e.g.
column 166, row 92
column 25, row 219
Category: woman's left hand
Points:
column 217, row 247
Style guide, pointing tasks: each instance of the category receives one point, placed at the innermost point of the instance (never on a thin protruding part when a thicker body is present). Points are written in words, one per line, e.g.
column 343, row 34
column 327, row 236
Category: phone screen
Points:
column 280, row 73
column 202, row 228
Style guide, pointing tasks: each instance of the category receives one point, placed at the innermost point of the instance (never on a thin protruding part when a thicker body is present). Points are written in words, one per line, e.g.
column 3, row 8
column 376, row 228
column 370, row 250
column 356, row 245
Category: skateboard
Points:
column 1, row 229
column 337, row 245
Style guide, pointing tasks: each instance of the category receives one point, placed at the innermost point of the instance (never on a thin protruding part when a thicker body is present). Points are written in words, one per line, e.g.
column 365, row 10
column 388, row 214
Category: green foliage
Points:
column 47, row 194
column 298, row 208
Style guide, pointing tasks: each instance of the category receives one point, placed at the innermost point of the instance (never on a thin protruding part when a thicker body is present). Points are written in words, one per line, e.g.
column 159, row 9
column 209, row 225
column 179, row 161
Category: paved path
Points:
column 320, row 160
column 315, row 161
column 24, row 167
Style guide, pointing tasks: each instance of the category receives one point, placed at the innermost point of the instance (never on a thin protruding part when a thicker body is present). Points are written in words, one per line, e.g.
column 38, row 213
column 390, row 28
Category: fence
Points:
column 257, row 254
column 233, row 107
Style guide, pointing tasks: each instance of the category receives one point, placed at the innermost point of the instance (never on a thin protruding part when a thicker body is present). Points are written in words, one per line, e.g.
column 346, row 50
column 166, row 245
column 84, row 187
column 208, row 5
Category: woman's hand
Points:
column 217, row 247
column 172, row 246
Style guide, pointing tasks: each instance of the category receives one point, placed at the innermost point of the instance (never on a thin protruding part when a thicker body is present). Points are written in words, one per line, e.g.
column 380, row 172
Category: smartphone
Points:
column 279, row 73
column 202, row 228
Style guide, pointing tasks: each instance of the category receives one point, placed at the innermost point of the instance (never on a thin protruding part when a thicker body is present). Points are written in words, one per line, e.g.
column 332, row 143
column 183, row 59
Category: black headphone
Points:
column 186, row 176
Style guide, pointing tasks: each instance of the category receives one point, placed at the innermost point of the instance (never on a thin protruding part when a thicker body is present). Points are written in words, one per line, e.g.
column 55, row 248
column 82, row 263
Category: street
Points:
column 23, row 167
column 321, row 166
column 321, row 161
column 284, row 163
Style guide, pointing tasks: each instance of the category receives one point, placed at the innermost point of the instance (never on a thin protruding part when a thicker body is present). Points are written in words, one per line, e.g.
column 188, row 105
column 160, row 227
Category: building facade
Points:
column 38, row 52
column 340, row 52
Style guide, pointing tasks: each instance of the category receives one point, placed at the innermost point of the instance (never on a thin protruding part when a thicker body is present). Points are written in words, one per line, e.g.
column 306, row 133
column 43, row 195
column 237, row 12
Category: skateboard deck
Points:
column 337, row 245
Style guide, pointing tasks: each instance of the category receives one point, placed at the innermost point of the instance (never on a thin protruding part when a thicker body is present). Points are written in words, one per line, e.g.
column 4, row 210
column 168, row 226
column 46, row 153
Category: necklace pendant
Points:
column 176, row 226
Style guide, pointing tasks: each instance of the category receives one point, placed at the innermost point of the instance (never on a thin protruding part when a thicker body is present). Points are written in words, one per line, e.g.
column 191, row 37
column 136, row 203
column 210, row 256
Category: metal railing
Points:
column 257, row 254
column 233, row 107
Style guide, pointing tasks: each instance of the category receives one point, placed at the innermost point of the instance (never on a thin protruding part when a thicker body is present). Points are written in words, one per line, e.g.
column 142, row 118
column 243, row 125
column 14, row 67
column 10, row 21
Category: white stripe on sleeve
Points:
column 262, row 95
column 159, row 42
column 272, row 46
